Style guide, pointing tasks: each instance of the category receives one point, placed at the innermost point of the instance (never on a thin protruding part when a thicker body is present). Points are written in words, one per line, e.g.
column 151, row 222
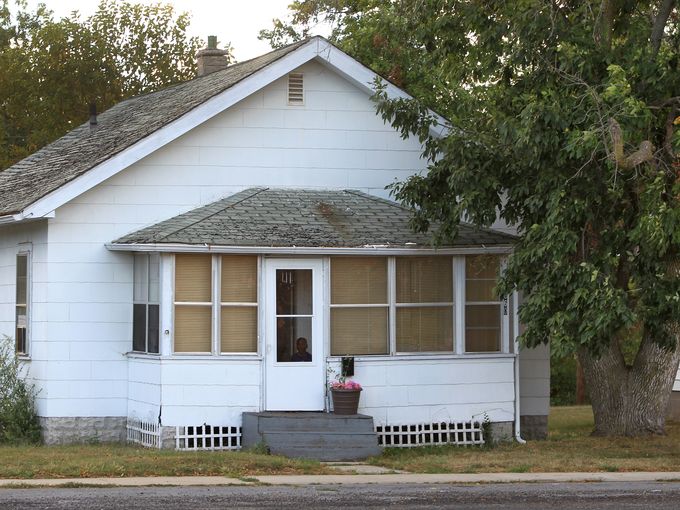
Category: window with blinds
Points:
column 359, row 306
column 231, row 313
column 238, row 304
column 482, row 304
column 424, row 304
column 193, row 303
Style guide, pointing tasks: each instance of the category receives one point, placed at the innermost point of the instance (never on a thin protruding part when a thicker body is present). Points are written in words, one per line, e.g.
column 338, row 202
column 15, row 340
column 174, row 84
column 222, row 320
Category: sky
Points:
column 235, row 21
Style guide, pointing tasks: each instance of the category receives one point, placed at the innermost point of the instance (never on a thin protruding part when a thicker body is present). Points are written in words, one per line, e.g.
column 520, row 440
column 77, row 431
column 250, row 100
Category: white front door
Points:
column 294, row 358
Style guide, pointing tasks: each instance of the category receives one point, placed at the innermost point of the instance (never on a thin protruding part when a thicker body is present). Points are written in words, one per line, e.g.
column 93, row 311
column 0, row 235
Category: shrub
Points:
column 18, row 420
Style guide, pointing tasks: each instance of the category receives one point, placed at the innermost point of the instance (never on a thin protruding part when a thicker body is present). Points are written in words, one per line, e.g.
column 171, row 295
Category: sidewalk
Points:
column 348, row 479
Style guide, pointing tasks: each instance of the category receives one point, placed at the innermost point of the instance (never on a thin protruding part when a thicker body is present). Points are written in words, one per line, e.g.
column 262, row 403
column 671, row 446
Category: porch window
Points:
column 216, row 304
column 359, row 306
column 482, row 304
column 146, row 303
column 238, row 304
column 424, row 304
column 22, row 303
column 193, row 303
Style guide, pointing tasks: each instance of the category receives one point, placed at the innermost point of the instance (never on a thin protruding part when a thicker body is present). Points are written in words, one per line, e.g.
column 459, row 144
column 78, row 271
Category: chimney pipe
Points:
column 93, row 115
column 212, row 58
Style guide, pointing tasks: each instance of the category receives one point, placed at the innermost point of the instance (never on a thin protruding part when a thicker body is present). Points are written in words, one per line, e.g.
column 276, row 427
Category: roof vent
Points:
column 295, row 89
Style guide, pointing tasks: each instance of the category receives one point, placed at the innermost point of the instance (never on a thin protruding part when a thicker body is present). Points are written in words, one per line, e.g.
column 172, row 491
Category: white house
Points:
column 158, row 264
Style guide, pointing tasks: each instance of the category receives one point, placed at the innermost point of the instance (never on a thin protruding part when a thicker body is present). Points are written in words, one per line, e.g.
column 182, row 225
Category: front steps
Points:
column 312, row 435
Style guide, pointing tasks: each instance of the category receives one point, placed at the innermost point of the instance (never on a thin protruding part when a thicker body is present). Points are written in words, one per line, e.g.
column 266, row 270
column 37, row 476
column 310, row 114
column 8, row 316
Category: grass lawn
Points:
column 569, row 448
column 88, row 461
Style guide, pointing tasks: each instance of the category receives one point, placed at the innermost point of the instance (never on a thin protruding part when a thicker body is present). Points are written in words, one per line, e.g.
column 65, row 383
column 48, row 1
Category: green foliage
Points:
column 18, row 419
column 51, row 70
column 552, row 104
column 562, row 380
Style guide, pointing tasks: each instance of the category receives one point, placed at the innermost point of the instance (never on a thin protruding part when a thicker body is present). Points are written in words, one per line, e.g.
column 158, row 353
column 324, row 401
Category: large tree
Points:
column 565, row 122
column 51, row 70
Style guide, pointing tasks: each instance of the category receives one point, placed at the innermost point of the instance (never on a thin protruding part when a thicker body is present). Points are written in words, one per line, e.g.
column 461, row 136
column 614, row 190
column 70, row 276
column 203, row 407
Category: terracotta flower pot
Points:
column 345, row 401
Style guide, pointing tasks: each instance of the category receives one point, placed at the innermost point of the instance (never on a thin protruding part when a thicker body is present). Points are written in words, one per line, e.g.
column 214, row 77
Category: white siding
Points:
column 404, row 391
column 32, row 237
column 534, row 380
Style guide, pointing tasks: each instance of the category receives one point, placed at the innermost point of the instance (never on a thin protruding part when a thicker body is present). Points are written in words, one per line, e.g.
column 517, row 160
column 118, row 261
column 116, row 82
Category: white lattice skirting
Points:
column 207, row 437
column 144, row 433
column 419, row 434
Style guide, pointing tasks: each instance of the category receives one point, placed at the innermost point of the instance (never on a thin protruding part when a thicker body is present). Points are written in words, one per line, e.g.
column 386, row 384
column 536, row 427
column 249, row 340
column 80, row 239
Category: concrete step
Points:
column 321, row 436
column 310, row 422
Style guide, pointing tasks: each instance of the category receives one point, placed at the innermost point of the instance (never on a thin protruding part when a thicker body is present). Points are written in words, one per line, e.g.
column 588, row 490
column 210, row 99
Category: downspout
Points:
column 515, row 335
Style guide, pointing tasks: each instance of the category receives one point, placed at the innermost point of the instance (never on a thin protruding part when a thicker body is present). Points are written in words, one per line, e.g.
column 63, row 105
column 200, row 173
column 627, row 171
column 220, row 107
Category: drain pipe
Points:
column 515, row 335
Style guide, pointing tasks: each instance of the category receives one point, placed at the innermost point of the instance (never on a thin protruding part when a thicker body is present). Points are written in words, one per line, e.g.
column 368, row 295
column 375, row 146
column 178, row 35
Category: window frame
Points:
column 216, row 305
column 24, row 251
column 148, row 302
column 457, row 306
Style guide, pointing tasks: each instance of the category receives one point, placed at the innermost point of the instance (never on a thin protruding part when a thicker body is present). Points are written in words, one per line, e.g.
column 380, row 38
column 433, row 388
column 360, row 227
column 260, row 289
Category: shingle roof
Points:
column 266, row 217
column 118, row 128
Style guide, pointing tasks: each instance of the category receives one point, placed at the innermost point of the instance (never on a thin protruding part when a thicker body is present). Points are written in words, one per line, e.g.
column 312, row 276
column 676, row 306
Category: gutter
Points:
column 304, row 250
column 10, row 218
column 515, row 335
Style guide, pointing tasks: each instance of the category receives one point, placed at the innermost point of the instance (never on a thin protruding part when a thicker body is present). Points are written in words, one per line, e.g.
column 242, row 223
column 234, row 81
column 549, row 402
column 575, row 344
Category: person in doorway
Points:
column 301, row 354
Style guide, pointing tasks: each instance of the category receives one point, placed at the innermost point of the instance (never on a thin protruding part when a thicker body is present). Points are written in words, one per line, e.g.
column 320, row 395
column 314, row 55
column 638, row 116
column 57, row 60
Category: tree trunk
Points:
column 580, row 384
column 631, row 400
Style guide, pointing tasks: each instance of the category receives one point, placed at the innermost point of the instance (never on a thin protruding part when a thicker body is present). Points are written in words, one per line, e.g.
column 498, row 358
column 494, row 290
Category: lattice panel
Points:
column 207, row 437
column 144, row 433
column 418, row 434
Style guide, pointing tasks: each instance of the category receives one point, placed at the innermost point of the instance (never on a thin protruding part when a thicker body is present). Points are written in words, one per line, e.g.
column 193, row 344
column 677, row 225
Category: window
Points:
column 238, row 302
column 215, row 304
column 146, row 300
column 22, row 303
column 359, row 306
column 482, row 305
column 193, row 303
column 416, row 304
column 424, row 304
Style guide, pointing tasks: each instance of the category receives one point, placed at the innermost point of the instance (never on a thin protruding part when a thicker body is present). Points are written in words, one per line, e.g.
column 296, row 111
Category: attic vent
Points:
column 295, row 89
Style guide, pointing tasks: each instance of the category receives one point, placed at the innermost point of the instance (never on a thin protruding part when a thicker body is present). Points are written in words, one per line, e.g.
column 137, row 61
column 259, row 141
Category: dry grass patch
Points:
column 568, row 448
column 88, row 461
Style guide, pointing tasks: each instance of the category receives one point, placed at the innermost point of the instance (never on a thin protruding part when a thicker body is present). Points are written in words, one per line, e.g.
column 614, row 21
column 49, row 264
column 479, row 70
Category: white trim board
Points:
column 293, row 250
column 316, row 49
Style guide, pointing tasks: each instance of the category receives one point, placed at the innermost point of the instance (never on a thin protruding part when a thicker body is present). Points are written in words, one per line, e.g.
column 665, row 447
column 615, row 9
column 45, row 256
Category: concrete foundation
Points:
column 108, row 429
column 501, row 431
column 534, row 427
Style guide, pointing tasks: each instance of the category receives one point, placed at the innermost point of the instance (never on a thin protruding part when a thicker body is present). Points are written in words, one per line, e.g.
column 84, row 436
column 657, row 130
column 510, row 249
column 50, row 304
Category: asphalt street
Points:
column 516, row 496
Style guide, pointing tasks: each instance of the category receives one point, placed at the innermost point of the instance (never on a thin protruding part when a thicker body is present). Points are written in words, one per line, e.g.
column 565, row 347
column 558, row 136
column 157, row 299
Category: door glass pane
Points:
column 294, row 339
column 294, row 292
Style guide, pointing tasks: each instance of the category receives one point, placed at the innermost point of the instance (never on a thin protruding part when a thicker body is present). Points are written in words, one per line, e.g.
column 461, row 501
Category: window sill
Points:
column 23, row 357
column 195, row 357
column 426, row 356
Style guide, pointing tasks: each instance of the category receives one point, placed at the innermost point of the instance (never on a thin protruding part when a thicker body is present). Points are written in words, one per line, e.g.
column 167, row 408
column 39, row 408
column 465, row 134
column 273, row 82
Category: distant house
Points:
column 158, row 265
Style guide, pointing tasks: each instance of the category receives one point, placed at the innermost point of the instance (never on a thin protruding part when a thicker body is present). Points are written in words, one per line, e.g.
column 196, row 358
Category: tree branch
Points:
column 642, row 155
column 660, row 24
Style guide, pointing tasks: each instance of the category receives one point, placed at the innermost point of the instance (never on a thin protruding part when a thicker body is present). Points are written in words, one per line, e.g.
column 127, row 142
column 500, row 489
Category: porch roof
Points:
column 265, row 217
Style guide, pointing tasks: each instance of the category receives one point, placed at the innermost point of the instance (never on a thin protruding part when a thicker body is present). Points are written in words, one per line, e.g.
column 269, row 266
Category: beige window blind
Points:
column 356, row 331
column 363, row 328
column 193, row 303
column 482, row 306
column 238, row 321
column 424, row 307
column 358, row 280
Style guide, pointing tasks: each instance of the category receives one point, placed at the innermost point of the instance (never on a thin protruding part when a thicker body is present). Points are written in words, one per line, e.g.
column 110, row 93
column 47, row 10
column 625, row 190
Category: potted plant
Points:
column 345, row 394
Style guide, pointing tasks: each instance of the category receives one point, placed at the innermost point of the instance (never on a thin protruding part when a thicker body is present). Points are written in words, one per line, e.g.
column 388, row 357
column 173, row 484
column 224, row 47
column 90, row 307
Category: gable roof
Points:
column 134, row 128
column 264, row 217
column 117, row 128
